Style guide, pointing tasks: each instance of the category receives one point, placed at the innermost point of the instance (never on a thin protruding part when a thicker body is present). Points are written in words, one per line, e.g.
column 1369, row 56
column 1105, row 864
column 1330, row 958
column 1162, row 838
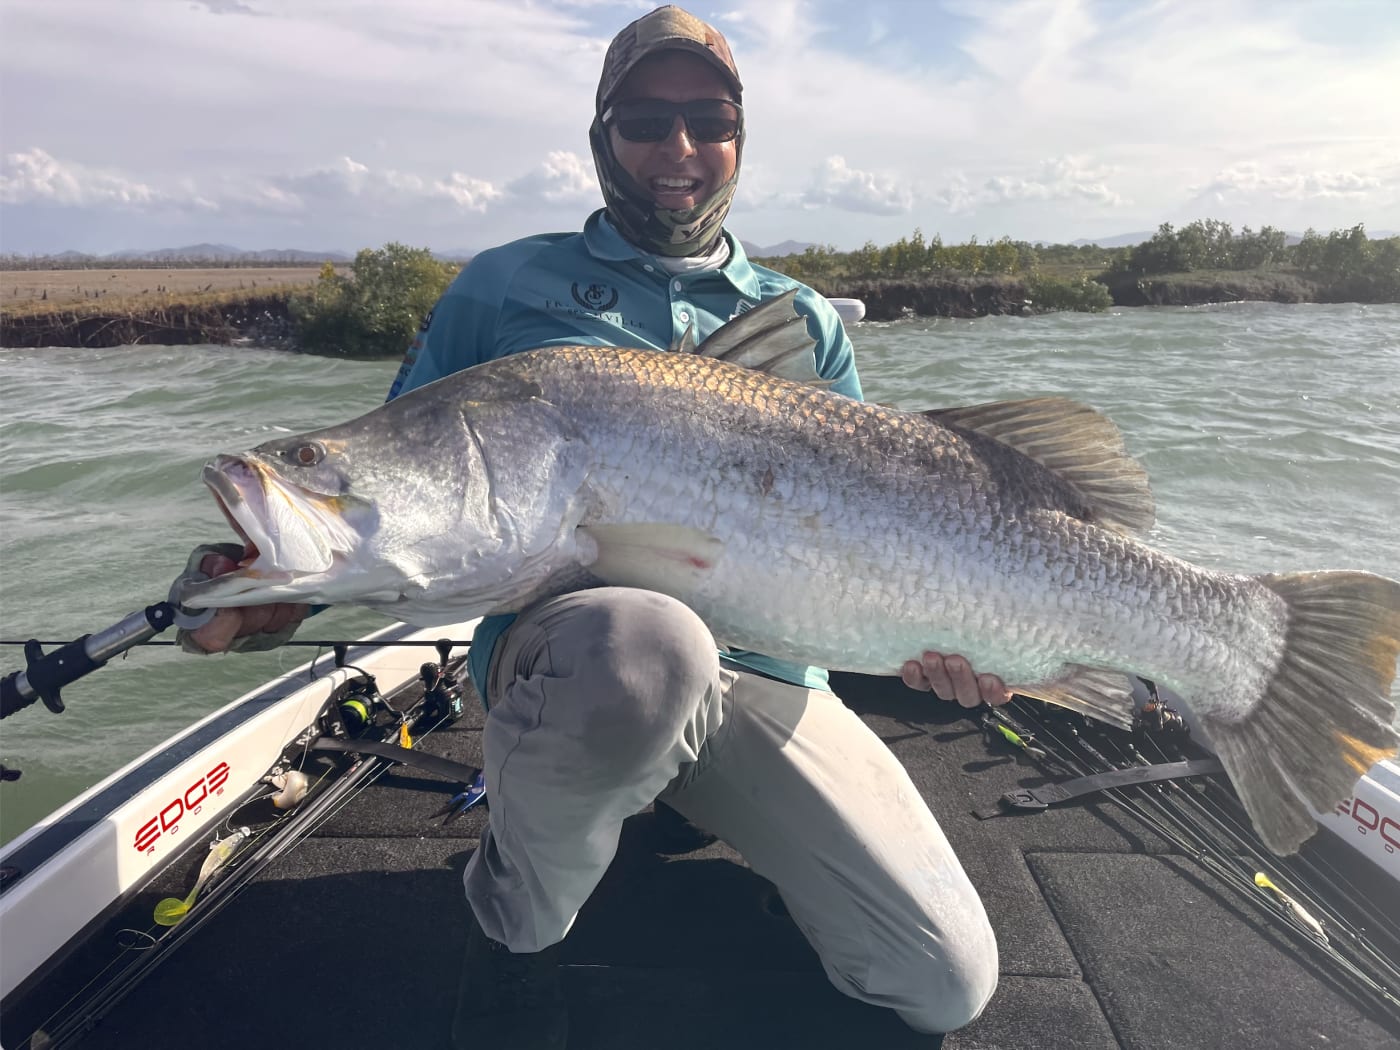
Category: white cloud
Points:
column 563, row 178
column 226, row 7
column 467, row 192
column 34, row 176
column 349, row 183
column 837, row 185
column 1057, row 179
column 1249, row 179
column 467, row 120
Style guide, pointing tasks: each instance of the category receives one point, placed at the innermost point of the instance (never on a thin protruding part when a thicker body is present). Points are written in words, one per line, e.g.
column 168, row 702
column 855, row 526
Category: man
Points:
column 602, row 701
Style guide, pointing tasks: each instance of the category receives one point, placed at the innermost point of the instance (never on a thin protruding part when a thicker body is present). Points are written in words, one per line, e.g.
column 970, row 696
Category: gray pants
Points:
column 604, row 700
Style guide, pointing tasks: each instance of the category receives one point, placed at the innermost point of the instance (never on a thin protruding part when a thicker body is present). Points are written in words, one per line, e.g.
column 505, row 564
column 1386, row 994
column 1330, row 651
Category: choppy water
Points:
column 1272, row 435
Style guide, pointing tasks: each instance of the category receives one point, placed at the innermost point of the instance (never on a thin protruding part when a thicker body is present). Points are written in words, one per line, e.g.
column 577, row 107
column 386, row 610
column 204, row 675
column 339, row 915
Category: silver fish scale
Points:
column 855, row 537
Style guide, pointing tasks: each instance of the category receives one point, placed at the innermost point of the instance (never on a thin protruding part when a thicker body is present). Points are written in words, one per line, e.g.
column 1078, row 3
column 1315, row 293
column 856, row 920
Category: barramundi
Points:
column 813, row 527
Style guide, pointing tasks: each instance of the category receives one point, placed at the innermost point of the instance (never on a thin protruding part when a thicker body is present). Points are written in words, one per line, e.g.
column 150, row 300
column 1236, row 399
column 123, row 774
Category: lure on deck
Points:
column 171, row 911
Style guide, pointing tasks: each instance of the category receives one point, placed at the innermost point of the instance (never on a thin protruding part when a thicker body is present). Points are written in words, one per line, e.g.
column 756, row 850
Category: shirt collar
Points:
column 604, row 242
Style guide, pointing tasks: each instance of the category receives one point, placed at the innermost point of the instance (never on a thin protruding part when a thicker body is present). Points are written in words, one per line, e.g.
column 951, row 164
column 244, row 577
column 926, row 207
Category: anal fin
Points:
column 1092, row 691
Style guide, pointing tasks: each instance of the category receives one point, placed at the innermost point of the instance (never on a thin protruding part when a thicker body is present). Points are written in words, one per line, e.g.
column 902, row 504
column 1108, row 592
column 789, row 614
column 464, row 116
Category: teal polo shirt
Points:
column 596, row 289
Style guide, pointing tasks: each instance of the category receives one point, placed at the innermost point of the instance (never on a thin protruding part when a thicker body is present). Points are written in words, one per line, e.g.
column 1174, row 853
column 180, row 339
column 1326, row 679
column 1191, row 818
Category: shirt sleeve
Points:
column 836, row 359
column 459, row 332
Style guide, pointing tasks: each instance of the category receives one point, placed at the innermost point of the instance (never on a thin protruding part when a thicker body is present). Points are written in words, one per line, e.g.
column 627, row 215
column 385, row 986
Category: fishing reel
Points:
column 442, row 693
column 1155, row 718
column 354, row 707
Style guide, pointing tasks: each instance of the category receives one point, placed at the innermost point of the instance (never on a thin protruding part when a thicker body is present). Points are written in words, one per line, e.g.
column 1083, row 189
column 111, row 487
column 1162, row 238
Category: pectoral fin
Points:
column 772, row 338
column 671, row 559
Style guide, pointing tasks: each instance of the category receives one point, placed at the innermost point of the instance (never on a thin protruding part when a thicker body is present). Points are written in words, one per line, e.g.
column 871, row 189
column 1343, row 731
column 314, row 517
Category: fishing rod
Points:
column 45, row 674
column 1179, row 814
column 358, row 756
column 1222, row 813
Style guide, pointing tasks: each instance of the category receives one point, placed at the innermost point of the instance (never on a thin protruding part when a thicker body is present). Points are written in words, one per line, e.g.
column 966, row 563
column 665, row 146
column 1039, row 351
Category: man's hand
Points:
column 952, row 678
column 253, row 627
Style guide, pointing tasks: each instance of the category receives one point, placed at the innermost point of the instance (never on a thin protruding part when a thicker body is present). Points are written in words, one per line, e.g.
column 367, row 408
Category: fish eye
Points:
column 307, row 455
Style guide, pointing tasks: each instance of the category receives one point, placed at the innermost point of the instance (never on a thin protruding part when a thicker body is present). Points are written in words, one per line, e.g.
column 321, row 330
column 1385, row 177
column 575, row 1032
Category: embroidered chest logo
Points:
column 595, row 297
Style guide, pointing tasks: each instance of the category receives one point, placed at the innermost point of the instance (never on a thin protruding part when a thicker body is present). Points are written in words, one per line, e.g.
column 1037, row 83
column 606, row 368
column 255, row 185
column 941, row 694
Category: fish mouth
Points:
column 293, row 538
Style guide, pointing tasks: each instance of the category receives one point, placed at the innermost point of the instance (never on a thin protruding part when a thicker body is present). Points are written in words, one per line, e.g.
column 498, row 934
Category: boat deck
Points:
column 1108, row 938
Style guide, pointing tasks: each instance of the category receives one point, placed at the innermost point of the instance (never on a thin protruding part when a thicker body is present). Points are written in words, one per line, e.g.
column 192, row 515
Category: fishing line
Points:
column 1297, row 868
column 1221, row 809
column 118, row 976
column 1174, row 827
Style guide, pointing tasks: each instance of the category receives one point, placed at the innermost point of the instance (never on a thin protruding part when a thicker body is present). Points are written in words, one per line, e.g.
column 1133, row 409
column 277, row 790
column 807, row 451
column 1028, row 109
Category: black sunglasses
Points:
column 651, row 119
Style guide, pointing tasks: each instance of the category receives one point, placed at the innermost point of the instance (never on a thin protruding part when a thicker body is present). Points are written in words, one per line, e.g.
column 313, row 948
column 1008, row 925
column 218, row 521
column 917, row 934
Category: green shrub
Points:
column 1077, row 293
column 376, row 309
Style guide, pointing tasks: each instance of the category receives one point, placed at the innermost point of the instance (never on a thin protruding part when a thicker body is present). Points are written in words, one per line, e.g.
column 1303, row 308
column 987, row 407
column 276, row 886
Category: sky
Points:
column 335, row 125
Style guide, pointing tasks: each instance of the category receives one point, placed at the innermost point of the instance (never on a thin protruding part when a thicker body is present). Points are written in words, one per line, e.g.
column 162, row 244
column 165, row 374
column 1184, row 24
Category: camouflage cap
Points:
column 665, row 29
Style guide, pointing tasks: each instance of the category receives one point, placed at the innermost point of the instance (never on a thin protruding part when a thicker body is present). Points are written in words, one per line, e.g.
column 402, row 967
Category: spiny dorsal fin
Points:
column 1075, row 442
column 686, row 343
column 772, row 338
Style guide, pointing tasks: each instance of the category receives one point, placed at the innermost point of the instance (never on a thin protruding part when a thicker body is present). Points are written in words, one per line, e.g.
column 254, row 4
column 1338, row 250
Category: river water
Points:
column 1271, row 434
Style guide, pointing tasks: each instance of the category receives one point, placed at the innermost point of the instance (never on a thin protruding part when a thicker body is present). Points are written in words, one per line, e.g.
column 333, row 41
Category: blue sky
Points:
column 458, row 124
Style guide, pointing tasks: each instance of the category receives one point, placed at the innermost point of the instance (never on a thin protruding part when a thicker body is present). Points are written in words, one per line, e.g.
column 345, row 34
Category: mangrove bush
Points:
column 374, row 310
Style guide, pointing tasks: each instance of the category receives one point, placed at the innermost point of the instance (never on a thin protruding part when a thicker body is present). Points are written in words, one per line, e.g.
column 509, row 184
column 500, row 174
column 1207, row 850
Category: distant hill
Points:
column 775, row 251
column 193, row 253
column 1118, row 240
column 226, row 253
column 212, row 252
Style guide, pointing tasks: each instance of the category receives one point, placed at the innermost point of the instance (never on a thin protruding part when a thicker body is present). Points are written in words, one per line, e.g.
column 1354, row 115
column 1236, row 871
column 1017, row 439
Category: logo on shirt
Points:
column 595, row 297
column 743, row 307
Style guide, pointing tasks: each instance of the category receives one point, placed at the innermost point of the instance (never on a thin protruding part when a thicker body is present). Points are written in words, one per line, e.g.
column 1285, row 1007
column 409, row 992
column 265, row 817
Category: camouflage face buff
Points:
column 662, row 231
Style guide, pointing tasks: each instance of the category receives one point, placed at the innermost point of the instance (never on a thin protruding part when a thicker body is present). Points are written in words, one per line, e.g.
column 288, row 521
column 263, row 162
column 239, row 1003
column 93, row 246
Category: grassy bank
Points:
column 116, row 307
column 159, row 318
column 113, row 307
column 23, row 290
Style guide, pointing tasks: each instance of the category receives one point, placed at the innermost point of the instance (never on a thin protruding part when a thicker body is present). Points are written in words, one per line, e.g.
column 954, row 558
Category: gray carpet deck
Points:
column 1108, row 939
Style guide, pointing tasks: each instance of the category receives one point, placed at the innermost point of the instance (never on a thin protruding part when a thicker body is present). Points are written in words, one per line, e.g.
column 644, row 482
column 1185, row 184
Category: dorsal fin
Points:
column 686, row 343
column 772, row 338
column 1078, row 444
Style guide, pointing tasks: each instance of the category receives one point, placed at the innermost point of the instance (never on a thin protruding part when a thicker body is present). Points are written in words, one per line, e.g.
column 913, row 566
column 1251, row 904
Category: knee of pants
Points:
column 935, row 981
column 641, row 665
column 947, row 993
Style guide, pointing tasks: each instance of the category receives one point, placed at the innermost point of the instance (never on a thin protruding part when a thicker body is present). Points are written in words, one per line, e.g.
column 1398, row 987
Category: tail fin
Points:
column 1327, row 714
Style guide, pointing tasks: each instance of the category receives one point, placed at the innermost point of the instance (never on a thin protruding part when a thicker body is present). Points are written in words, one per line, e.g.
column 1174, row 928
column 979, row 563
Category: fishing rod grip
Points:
column 12, row 697
column 47, row 673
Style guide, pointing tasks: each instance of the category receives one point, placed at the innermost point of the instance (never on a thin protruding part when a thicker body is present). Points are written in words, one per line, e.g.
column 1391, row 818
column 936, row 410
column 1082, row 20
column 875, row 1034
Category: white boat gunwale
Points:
column 78, row 864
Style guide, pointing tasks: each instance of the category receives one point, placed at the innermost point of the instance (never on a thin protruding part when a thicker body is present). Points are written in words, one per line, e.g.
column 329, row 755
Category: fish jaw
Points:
column 298, row 541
